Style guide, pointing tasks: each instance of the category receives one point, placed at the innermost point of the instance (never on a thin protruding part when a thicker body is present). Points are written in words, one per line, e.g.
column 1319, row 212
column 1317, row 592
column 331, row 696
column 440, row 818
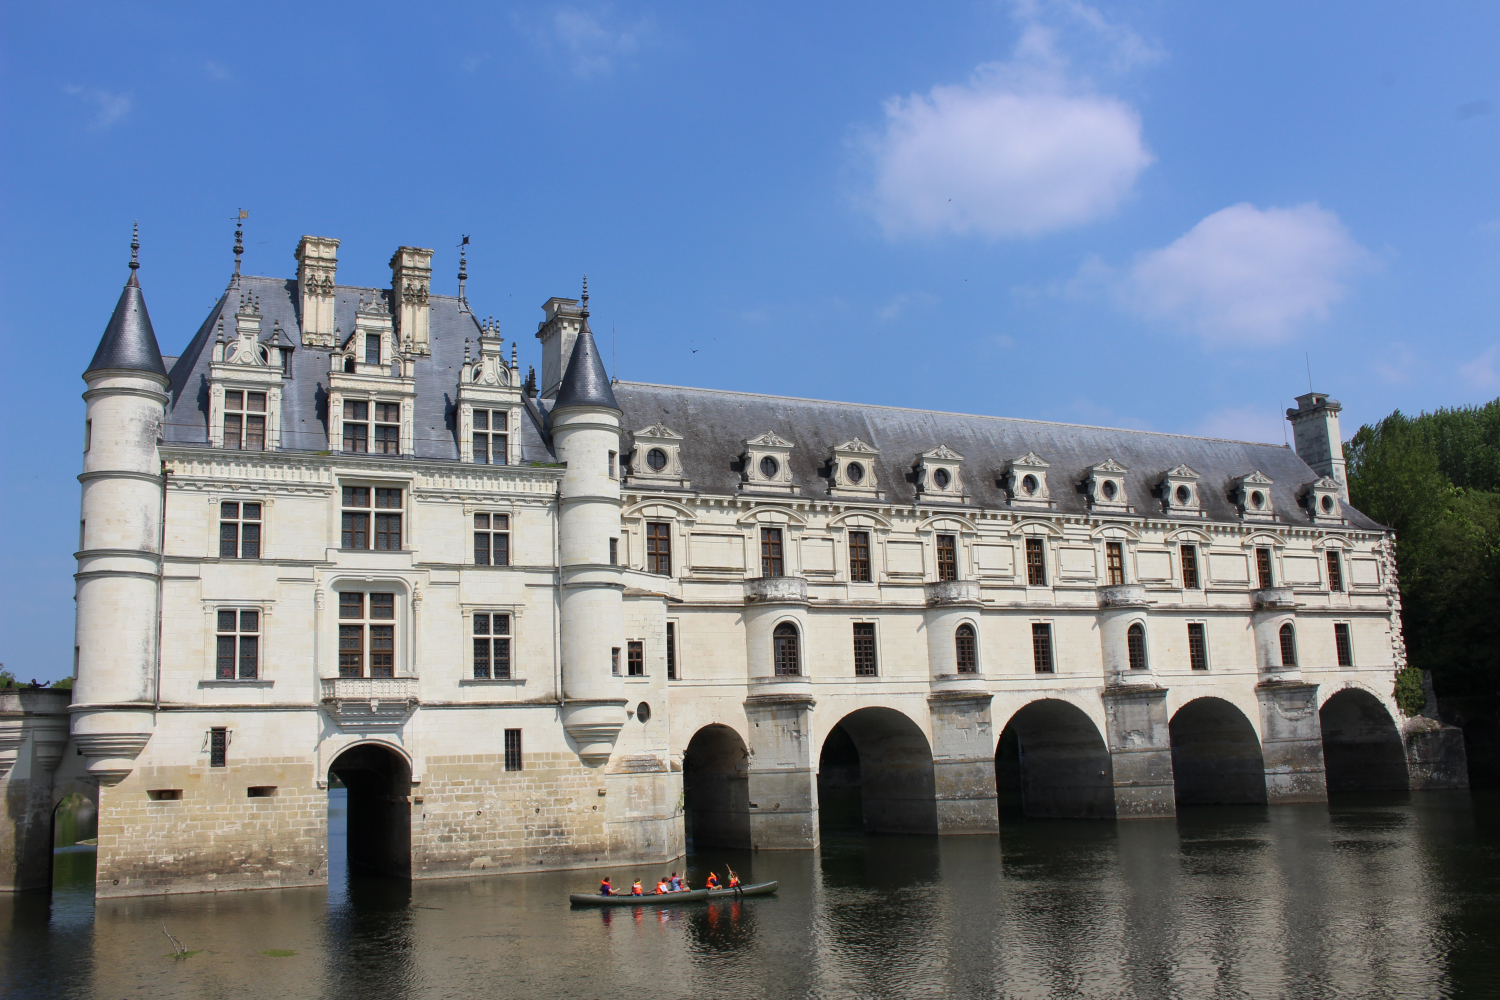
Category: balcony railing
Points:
column 1274, row 599
column 369, row 702
column 1126, row 595
column 776, row 590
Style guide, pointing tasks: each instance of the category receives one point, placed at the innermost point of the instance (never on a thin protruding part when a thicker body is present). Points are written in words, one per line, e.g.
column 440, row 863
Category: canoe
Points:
column 659, row 899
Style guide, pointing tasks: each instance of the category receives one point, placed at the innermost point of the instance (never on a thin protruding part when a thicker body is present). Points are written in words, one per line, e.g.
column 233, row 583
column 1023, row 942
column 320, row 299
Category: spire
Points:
column 129, row 343
column 239, row 245
column 463, row 271
column 585, row 382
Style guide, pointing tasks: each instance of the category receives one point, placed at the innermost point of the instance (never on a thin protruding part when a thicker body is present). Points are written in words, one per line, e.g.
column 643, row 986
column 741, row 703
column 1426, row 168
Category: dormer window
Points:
column 244, row 420
column 656, row 457
column 939, row 475
column 855, row 472
column 1252, row 494
column 1106, row 486
column 491, row 442
column 852, row 472
column 386, row 430
column 767, row 465
column 656, row 460
column 372, row 349
column 1026, row 481
column 1321, row 499
column 1179, row 491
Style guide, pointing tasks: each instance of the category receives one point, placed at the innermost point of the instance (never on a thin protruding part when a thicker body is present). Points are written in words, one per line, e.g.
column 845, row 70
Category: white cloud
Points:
column 1023, row 148
column 1243, row 273
column 216, row 70
column 108, row 108
column 899, row 304
column 1244, row 423
column 1481, row 371
column 592, row 43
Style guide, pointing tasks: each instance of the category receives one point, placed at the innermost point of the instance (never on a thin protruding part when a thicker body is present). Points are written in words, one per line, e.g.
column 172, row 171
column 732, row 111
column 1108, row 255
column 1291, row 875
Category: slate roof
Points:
column 129, row 343
column 585, row 382
column 714, row 424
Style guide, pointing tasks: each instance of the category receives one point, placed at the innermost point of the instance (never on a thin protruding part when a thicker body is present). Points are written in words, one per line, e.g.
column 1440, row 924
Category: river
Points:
column 1375, row 896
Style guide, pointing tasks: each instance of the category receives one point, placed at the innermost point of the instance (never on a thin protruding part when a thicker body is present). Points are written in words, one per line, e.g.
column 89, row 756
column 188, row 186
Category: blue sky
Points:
column 1145, row 214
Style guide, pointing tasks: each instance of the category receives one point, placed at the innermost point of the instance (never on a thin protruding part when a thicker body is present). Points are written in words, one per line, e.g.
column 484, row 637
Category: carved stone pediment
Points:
column 940, row 476
column 1106, row 486
column 852, row 471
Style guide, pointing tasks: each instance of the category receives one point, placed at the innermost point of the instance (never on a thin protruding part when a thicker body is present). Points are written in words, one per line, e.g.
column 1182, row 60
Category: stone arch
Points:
column 1053, row 755
column 716, row 788
column 378, row 778
column 883, row 758
column 1362, row 748
column 1216, row 755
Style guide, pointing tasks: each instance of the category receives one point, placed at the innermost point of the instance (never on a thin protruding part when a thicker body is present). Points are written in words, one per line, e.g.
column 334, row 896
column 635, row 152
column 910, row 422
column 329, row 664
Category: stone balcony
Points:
column 369, row 702
column 1274, row 599
column 776, row 590
column 951, row 592
column 1127, row 595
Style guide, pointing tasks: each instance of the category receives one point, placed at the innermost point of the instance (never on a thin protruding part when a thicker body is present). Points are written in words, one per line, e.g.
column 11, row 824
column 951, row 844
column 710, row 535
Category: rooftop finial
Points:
column 463, row 268
column 239, row 244
column 466, row 350
column 585, row 309
column 135, row 246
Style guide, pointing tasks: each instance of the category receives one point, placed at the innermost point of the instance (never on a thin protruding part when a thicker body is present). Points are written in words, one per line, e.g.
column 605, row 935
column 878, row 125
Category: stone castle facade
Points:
column 572, row 623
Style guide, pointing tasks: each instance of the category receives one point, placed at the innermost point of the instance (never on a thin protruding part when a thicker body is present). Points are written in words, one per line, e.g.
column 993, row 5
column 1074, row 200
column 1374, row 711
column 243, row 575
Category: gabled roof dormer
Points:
column 1252, row 495
column 1321, row 498
column 852, row 472
column 1179, row 492
column 656, row 458
column 940, row 476
column 372, row 386
column 489, row 387
column 244, row 384
column 1106, row 487
column 767, row 464
column 1025, row 480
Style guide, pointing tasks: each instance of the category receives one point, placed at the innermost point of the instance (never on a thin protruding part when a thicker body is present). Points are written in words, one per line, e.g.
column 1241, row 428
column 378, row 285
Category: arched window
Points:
column 785, row 641
column 966, row 654
column 1288, row 646
column 1135, row 641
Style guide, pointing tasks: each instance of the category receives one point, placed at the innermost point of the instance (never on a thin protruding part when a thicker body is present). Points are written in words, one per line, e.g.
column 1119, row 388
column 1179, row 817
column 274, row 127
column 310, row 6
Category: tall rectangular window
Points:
column 770, row 552
column 859, row 557
column 218, row 747
column 513, row 750
column 614, row 662
column 1190, row 567
column 1197, row 646
column 1036, row 563
column 864, row 649
column 244, row 420
column 387, row 519
column 659, row 548
column 1263, row 568
column 1041, row 647
column 491, row 442
column 947, row 558
column 614, row 552
column 1344, row 646
column 635, row 658
column 238, row 654
column 1335, row 572
column 491, row 646
column 387, row 429
column 356, row 426
column 372, row 349
column 367, row 634
column 239, row 530
column 491, row 539
column 671, row 651
column 1114, row 563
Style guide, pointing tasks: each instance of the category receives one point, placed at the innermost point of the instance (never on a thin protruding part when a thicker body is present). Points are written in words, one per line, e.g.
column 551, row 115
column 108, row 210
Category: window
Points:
column 372, row 349
column 491, row 539
column 1190, row 567
column 239, row 530
column 859, row 557
column 966, row 655
column 218, row 747
column 286, row 362
column 387, row 435
column 864, row 649
column 770, row 552
column 1335, row 572
column 367, row 634
column 88, row 434
column 784, row 640
column 1036, row 563
column 1263, row 568
column 245, row 420
column 656, row 459
column 613, row 459
column 671, row 651
column 1342, row 642
column 941, row 479
column 491, row 442
column 769, row 467
column 1197, row 646
column 491, row 646
column 238, row 656
column 947, row 558
column 614, row 552
column 356, row 426
column 855, row 473
column 659, row 548
column 635, row 658
column 614, row 662
column 1114, row 563
column 358, row 515
column 1041, row 647
column 1135, row 644
column 387, row 429
column 513, row 750
column 1288, row 646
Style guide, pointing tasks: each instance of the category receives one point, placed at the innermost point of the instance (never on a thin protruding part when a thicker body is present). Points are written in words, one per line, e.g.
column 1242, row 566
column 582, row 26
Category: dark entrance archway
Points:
column 716, row 789
column 879, row 759
column 74, row 837
column 1216, row 756
column 378, row 780
column 1051, row 753
column 1362, row 749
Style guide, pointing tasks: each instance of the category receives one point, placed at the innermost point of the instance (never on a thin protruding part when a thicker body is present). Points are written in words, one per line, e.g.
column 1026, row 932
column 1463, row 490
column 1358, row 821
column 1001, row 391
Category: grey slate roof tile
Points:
column 129, row 343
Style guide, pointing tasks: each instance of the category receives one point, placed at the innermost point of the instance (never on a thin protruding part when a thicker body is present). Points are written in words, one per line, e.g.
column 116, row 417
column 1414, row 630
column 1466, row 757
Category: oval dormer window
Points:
column 1109, row 489
column 1257, row 499
column 1184, row 495
column 1029, row 485
column 656, row 459
column 769, row 467
column 855, row 473
column 941, row 479
column 1327, row 504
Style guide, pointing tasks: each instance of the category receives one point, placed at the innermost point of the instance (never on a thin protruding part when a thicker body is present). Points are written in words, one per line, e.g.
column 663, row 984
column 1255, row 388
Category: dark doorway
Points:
column 716, row 789
column 1216, row 757
column 1051, row 754
column 1362, row 749
column 875, row 774
column 377, row 783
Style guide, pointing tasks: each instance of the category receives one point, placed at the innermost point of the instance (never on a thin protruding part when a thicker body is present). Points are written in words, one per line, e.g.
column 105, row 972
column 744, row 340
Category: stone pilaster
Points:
column 963, row 762
column 1291, row 742
column 1140, row 751
column 783, row 775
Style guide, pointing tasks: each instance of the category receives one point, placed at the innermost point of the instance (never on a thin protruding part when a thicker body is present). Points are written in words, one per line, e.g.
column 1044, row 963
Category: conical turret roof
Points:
column 129, row 343
column 585, row 383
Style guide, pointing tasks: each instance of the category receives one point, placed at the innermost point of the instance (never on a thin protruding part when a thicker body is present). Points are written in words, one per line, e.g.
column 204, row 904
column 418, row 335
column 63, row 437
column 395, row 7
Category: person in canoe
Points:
column 661, row 886
column 734, row 881
column 712, row 882
column 605, row 889
column 635, row 890
column 674, row 883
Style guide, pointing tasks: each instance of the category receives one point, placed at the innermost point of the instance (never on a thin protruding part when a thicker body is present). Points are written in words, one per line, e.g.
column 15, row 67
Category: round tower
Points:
column 586, row 436
column 118, row 580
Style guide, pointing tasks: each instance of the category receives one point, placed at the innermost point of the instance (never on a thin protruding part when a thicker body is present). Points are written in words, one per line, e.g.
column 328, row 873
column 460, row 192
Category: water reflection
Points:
column 1370, row 896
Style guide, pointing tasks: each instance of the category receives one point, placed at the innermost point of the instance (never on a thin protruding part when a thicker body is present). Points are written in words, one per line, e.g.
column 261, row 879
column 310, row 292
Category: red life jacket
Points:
column 605, row 890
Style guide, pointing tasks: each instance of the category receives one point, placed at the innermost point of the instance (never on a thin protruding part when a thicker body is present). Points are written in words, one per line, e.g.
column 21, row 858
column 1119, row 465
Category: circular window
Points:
column 1184, row 494
column 855, row 473
column 643, row 712
column 1029, row 485
column 1327, row 504
column 657, row 459
column 941, row 479
column 1109, row 489
column 1257, row 499
column 769, row 467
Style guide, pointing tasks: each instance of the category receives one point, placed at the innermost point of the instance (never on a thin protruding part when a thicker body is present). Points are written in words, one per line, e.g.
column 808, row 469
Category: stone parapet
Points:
column 1274, row 599
column 1129, row 595
column 776, row 590
column 952, row 592
column 381, row 703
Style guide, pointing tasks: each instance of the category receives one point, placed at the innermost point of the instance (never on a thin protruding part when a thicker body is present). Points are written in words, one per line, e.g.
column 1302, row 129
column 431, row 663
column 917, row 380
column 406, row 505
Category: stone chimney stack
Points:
column 557, row 333
column 411, row 282
column 1315, row 427
column 317, row 265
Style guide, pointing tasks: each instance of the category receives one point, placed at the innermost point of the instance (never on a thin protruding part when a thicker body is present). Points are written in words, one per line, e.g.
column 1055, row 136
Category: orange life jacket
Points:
column 712, row 883
column 605, row 889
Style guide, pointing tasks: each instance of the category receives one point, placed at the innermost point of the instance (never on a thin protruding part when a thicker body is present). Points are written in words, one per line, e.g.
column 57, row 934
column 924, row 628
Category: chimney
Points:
column 1315, row 427
column 317, row 265
column 557, row 333
column 411, row 280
